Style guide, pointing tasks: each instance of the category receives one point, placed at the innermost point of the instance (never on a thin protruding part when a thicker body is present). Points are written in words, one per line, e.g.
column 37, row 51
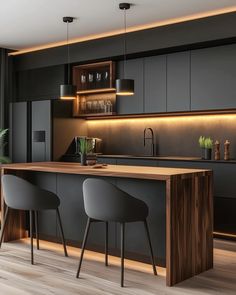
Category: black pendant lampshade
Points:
column 124, row 86
column 68, row 91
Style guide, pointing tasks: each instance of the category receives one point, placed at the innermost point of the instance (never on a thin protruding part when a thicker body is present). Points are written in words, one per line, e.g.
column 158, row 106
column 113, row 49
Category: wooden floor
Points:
column 55, row 274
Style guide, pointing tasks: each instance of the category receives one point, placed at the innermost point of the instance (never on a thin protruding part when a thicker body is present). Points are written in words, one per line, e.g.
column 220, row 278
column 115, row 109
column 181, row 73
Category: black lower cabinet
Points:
column 224, row 187
column 136, row 162
column 224, row 215
column 69, row 189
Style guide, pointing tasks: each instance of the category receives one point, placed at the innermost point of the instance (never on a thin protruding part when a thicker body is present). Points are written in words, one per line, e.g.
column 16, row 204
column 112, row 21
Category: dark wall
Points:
column 176, row 136
column 202, row 32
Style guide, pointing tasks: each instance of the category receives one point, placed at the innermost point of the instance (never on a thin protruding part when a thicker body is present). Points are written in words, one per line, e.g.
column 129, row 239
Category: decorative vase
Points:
column 83, row 158
column 207, row 154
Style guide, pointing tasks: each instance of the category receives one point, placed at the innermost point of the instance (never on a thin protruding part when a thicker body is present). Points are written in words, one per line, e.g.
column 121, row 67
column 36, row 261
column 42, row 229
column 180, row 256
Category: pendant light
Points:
column 124, row 86
column 68, row 91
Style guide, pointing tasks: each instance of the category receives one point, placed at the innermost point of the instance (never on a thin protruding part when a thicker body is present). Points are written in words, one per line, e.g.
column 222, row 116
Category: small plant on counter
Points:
column 201, row 141
column 208, row 148
column 3, row 159
column 208, row 143
column 85, row 148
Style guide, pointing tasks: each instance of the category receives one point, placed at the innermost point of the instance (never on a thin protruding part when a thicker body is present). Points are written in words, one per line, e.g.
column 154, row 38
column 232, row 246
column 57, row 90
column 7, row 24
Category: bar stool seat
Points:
column 105, row 202
column 20, row 194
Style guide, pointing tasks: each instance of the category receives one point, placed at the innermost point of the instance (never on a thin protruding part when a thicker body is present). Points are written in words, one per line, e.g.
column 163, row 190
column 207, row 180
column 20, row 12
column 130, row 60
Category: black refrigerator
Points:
column 31, row 128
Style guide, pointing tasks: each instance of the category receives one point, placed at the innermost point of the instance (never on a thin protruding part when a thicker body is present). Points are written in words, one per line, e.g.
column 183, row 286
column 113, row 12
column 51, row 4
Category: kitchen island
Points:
column 186, row 193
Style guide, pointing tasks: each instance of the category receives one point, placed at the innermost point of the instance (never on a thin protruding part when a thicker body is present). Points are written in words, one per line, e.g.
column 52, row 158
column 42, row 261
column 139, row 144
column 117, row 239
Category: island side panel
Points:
column 204, row 222
column 15, row 227
column 189, row 222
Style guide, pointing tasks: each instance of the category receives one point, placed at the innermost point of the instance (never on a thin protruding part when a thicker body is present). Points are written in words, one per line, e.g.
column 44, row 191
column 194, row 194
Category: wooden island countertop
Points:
column 188, row 210
column 139, row 172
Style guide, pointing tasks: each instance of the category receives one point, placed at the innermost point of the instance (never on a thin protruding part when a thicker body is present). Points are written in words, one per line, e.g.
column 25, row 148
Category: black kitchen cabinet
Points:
column 131, row 104
column 18, row 132
column 136, row 162
column 42, row 83
column 155, row 84
column 178, row 82
column 213, row 76
column 106, row 161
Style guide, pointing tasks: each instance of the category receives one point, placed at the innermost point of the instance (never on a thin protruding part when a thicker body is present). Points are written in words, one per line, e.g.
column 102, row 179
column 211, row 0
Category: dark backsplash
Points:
column 174, row 136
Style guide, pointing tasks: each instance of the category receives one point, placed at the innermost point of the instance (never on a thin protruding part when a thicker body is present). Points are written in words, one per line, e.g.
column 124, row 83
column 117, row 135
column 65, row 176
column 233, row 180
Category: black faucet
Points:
column 149, row 138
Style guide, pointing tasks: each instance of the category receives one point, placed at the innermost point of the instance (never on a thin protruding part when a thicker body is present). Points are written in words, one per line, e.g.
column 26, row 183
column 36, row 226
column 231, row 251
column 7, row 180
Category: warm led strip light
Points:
column 225, row 234
column 131, row 29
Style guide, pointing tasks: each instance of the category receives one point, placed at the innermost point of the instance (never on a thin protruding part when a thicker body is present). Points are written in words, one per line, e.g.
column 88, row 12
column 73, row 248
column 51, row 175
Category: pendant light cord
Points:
column 68, row 53
column 124, row 68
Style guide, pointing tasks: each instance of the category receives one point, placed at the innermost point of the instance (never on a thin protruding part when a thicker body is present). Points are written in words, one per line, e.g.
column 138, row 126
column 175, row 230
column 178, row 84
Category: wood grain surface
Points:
column 55, row 274
column 189, row 211
column 139, row 172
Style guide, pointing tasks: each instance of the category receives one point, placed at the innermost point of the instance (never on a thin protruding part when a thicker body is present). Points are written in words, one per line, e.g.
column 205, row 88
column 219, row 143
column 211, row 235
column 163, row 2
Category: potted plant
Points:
column 84, row 147
column 208, row 148
column 202, row 146
column 3, row 159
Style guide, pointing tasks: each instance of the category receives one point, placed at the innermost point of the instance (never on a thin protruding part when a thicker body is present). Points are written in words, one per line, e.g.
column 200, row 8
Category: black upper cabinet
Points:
column 213, row 78
column 178, row 82
column 131, row 104
column 155, row 84
column 39, row 83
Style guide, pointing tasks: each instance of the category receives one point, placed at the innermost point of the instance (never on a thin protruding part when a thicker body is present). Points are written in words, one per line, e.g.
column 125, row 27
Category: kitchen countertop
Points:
column 140, row 172
column 167, row 158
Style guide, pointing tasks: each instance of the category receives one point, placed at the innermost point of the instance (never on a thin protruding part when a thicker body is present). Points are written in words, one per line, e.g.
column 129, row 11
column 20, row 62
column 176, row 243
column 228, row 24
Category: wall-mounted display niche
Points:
column 96, row 95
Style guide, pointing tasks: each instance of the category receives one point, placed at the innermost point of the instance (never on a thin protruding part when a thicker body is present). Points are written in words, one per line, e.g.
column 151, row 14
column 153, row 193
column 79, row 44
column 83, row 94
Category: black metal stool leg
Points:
column 150, row 247
column 106, row 244
column 36, row 222
column 62, row 233
column 83, row 246
column 31, row 237
column 4, row 225
column 122, row 253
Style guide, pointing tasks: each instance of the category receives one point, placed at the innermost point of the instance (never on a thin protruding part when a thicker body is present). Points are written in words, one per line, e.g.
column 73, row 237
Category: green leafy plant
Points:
column 208, row 143
column 85, row 145
column 201, row 141
column 3, row 159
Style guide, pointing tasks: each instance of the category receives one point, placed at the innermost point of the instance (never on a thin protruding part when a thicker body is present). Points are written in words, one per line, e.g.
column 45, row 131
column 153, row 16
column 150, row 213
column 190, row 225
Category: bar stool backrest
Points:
column 104, row 201
column 21, row 194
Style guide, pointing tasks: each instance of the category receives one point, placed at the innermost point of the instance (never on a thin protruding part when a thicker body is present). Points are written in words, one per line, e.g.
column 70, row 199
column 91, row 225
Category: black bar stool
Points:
column 20, row 194
column 105, row 202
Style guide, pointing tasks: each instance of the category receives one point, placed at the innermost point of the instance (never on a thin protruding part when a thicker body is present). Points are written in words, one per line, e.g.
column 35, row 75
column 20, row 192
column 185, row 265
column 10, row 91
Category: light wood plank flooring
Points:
column 55, row 274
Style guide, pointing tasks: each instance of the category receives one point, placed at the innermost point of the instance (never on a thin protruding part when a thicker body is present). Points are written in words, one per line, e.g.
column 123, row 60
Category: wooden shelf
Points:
column 95, row 91
column 100, row 91
column 96, row 115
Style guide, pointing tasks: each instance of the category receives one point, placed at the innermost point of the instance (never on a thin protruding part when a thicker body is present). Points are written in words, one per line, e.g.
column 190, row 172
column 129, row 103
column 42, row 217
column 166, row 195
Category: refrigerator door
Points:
column 41, row 124
column 18, row 132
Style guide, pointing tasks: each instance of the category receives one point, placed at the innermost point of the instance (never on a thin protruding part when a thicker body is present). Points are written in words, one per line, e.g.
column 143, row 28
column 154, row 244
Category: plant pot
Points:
column 207, row 154
column 83, row 159
column 203, row 153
